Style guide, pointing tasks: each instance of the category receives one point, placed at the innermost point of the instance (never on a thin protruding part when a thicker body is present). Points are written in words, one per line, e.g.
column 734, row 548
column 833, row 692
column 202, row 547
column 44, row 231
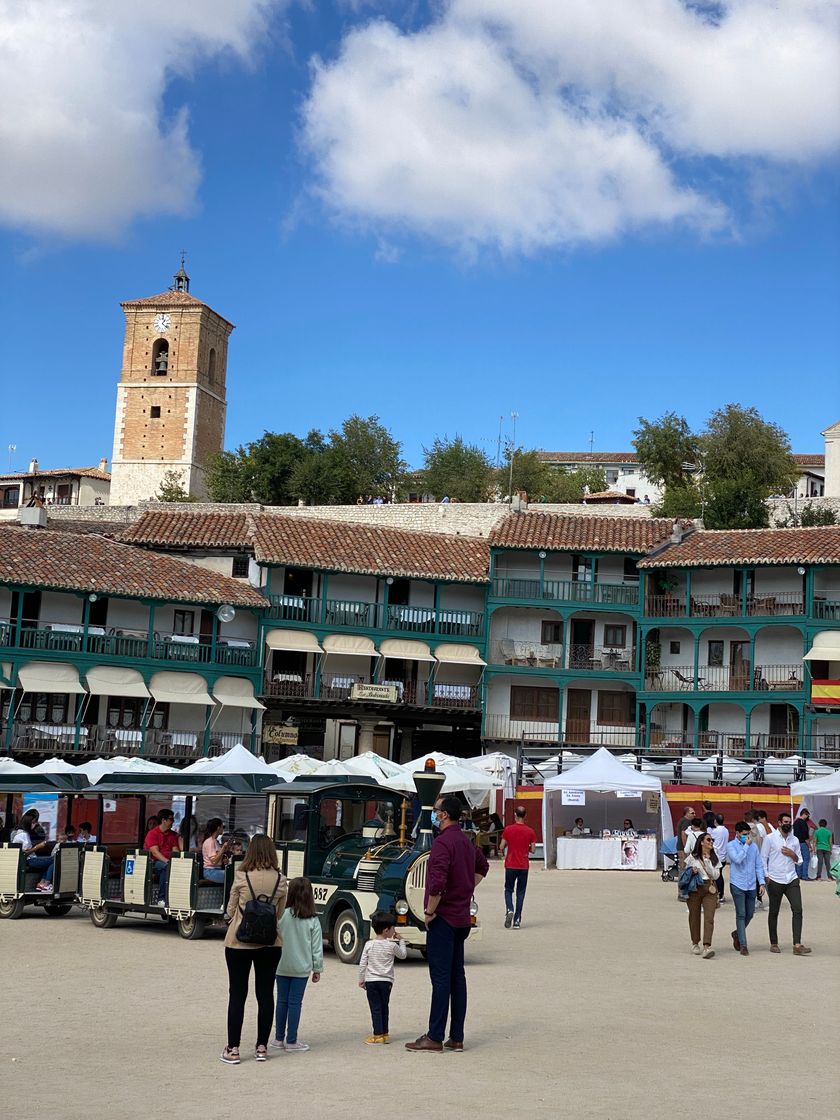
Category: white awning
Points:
column 453, row 654
column 292, row 639
column 50, row 676
column 826, row 647
column 5, row 672
column 407, row 651
column 353, row 645
column 108, row 680
column 235, row 692
column 179, row 688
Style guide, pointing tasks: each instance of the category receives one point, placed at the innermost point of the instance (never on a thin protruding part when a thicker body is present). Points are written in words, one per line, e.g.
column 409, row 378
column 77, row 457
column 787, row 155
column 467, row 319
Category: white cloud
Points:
column 84, row 147
column 536, row 124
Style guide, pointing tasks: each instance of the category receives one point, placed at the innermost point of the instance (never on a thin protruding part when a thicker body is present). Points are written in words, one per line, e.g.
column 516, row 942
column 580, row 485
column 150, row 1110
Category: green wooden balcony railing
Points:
column 567, row 590
column 360, row 615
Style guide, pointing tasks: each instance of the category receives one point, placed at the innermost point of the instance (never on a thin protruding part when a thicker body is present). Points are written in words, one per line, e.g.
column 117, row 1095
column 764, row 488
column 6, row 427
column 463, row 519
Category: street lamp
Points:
column 514, row 417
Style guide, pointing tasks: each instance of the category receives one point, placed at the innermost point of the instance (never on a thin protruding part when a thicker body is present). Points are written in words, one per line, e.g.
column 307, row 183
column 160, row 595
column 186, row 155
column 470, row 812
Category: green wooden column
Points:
column 748, row 727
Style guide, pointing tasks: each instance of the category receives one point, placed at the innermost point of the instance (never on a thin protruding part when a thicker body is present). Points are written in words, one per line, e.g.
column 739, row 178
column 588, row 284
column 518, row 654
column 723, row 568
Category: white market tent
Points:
column 602, row 773
column 821, row 796
column 9, row 766
column 382, row 770
column 58, row 766
column 460, row 777
column 500, row 766
column 238, row 760
column 99, row 768
column 294, row 765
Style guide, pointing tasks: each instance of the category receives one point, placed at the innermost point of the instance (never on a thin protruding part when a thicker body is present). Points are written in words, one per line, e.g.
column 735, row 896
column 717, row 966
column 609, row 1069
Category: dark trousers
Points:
column 378, row 994
column 518, row 878
column 239, row 962
column 744, row 910
column 793, row 893
column 823, row 860
column 720, row 883
column 445, row 950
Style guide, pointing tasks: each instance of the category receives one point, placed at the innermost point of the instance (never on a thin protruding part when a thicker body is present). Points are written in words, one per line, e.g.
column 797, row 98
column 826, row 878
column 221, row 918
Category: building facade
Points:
column 171, row 399
column 71, row 486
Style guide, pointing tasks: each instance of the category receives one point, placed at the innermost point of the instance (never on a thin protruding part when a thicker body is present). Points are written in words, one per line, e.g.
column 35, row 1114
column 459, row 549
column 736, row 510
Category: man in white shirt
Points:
column 720, row 838
column 781, row 854
column 696, row 828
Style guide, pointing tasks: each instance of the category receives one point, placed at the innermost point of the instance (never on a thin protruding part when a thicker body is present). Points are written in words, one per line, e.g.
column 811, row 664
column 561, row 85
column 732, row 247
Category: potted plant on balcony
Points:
column 653, row 654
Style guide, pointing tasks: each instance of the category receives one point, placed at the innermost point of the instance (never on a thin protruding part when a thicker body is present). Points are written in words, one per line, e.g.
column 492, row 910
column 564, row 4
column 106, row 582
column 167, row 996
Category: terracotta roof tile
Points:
column 575, row 532
column 86, row 562
column 607, row 496
column 722, row 547
column 166, row 299
column 183, row 529
column 60, row 472
column 352, row 547
column 587, row 456
column 810, row 460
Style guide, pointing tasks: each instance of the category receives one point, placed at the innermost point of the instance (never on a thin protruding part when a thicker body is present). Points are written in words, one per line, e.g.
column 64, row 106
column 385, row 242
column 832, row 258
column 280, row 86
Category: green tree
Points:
column 171, row 488
column 816, row 515
column 455, row 469
column 664, row 447
column 228, row 477
column 572, row 486
column 366, row 460
column 684, row 501
column 314, row 480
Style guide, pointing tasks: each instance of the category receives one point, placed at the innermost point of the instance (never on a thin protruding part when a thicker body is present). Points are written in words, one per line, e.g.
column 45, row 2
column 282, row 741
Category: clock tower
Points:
column 171, row 396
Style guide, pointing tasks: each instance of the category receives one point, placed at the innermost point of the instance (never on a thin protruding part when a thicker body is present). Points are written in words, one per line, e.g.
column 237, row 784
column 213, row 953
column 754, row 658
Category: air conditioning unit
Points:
column 33, row 517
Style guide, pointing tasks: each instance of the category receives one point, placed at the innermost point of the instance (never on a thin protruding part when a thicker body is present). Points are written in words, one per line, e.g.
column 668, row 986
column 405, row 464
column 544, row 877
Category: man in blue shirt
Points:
column 745, row 871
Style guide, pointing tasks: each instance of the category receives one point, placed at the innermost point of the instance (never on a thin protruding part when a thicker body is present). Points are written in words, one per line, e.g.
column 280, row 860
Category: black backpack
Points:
column 259, row 917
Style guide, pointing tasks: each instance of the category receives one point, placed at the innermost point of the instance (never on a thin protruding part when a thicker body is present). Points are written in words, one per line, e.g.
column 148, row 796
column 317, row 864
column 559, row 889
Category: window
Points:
column 612, row 477
column 673, row 647
column 44, row 707
column 583, row 569
column 184, row 622
column 239, row 568
column 615, row 708
column 615, row 635
column 552, row 633
column 631, row 570
column 715, row 654
column 211, row 365
column 631, row 493
column 123, row 712
column 154, row 412
column 11, row 497
column 541, row 704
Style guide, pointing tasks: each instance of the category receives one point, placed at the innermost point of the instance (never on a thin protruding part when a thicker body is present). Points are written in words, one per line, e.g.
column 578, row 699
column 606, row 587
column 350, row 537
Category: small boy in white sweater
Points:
column 376, row 971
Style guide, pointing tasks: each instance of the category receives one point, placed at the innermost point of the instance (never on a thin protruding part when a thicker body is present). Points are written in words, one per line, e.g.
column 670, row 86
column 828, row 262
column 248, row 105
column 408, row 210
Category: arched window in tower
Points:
column 211, row 365
column 160, row 357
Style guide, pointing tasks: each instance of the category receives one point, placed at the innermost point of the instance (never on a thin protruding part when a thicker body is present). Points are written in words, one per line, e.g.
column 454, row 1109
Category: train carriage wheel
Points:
column 192, row 928
column 346, row 939
column 102, row 918
column 12, row 909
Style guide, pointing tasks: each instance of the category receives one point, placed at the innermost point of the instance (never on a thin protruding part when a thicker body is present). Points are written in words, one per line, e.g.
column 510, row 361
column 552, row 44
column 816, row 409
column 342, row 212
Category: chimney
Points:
column 676, row 533
column 103, row 465
column 33, row 466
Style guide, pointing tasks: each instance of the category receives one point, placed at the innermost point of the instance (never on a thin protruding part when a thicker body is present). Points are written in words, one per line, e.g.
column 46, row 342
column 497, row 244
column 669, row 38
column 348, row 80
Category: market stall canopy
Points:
column 460, row 777
column 238, row 760
column 100, row 769
column 370, row 765
column 826, row 647
column 826, row 784
column 50, row 676
column 456, row 654
column 500, row 766
column 58, row 766
column 295, row 764
column 111, row 680
column 351, row 645
column 9, row 766
column 297, row 640
column 406, row 650
column 180, row 688
column 235, row 692
column 822, row 797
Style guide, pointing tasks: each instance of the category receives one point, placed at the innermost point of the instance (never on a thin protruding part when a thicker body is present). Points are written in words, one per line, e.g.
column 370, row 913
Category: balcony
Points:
column 505, row 728
column 567, row 591
column 392, row 618
column 602, row 658
column 827, row 610
column 733, row 678
column 59, row 739
column 293, row 686
column 130, row 644
column 724, row 606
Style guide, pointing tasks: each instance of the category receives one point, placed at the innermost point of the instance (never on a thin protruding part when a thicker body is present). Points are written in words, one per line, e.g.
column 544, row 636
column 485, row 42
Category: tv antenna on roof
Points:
column 12, row 450
column 591, row 442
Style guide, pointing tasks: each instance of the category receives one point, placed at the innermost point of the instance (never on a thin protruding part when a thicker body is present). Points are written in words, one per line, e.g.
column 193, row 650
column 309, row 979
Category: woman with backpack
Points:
column 303, row 953
column 257, row 899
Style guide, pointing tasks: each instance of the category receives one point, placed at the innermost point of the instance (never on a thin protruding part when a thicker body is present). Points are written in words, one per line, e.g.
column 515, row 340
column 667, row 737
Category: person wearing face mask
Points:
column 746, row 882
column 781, row 855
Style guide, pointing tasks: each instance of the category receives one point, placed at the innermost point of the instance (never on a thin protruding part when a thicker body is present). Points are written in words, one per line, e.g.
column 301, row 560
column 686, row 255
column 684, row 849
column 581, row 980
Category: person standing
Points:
column 303, row 955
column 781, row 856
column 518, row 842
column 376, row 972
column 746, row 882
column 720, row 838
column 456, row 866
column 704, row 898
column 802, row 832
column 709, row 815
column 257, row 875
column 823, row 840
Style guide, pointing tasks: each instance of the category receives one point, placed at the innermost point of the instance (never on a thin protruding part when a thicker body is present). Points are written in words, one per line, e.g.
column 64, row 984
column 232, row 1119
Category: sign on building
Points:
column 386, row 693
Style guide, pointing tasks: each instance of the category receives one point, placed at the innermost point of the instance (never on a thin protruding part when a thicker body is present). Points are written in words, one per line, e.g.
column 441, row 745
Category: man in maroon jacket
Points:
column 456, row 867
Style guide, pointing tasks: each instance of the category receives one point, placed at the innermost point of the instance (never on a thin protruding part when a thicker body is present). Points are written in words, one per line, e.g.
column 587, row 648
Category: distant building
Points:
column 831, row 463
column 65, row 486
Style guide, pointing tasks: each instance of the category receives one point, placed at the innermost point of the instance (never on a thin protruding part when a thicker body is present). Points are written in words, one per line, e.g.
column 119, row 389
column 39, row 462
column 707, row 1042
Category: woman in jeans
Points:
column 214, row 854
column 703, row 859
column 261, row 868
column 30, row 835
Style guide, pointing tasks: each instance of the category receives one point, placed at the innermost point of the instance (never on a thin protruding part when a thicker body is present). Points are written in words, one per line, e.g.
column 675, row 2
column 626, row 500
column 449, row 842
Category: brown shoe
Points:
column 744, row 951
column 425, row 1043
column 775, row 949
column 736, row 944
column 801, row 950
column 451, row 1044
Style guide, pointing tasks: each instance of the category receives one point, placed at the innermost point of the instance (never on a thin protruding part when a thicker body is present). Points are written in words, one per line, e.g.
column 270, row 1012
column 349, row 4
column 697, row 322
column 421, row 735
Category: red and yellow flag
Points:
column 825, row 693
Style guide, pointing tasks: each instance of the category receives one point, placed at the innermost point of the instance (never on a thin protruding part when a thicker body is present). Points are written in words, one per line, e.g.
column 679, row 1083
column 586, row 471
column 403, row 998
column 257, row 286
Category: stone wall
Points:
column 783, row 510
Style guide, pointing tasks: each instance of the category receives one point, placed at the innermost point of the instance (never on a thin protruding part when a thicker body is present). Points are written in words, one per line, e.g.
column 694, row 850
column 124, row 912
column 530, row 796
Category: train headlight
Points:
column 473, row 908
column 401, row 907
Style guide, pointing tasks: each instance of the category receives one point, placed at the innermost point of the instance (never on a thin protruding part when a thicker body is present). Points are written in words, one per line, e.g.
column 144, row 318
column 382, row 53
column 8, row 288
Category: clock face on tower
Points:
column 162, row 323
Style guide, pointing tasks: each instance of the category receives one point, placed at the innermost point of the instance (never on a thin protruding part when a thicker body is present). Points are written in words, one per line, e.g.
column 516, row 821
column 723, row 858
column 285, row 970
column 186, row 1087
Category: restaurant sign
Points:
column 386, row 693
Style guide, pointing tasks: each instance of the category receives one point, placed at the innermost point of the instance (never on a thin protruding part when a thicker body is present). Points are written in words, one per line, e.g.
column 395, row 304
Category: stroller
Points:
column 670, row 868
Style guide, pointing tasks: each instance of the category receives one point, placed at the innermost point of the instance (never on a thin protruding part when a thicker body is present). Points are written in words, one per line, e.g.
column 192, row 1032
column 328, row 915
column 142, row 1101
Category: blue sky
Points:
column 409, row 228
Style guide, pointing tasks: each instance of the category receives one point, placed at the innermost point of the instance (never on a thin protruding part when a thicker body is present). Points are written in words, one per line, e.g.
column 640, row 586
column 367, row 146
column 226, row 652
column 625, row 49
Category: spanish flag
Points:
column 825, row 693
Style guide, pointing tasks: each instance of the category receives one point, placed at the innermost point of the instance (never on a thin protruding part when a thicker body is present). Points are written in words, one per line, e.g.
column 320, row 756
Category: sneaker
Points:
column 451, row 1044
column 696, row 950
column 374, row 1039
column 277, row 1044
column 775, row 949
column 386, row 1038
column 744, row 951
column 44, row 887
column 517, row 923
column 801, row 950
column 508, row 919
column 298, row 1047
column 161, row 902
column 230, row 1056
column 261, row 1054
column 708, row 953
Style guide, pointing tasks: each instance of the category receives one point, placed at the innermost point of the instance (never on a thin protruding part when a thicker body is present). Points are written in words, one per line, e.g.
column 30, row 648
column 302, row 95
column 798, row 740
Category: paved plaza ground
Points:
column 595, row 1009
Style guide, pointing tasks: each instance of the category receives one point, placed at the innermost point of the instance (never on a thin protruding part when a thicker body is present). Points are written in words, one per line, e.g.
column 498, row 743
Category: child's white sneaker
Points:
column 277, row 1043
column 297, row 1046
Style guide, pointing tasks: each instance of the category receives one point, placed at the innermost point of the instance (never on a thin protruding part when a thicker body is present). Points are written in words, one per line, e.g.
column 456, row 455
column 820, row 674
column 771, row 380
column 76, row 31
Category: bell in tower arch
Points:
column 160, row 362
